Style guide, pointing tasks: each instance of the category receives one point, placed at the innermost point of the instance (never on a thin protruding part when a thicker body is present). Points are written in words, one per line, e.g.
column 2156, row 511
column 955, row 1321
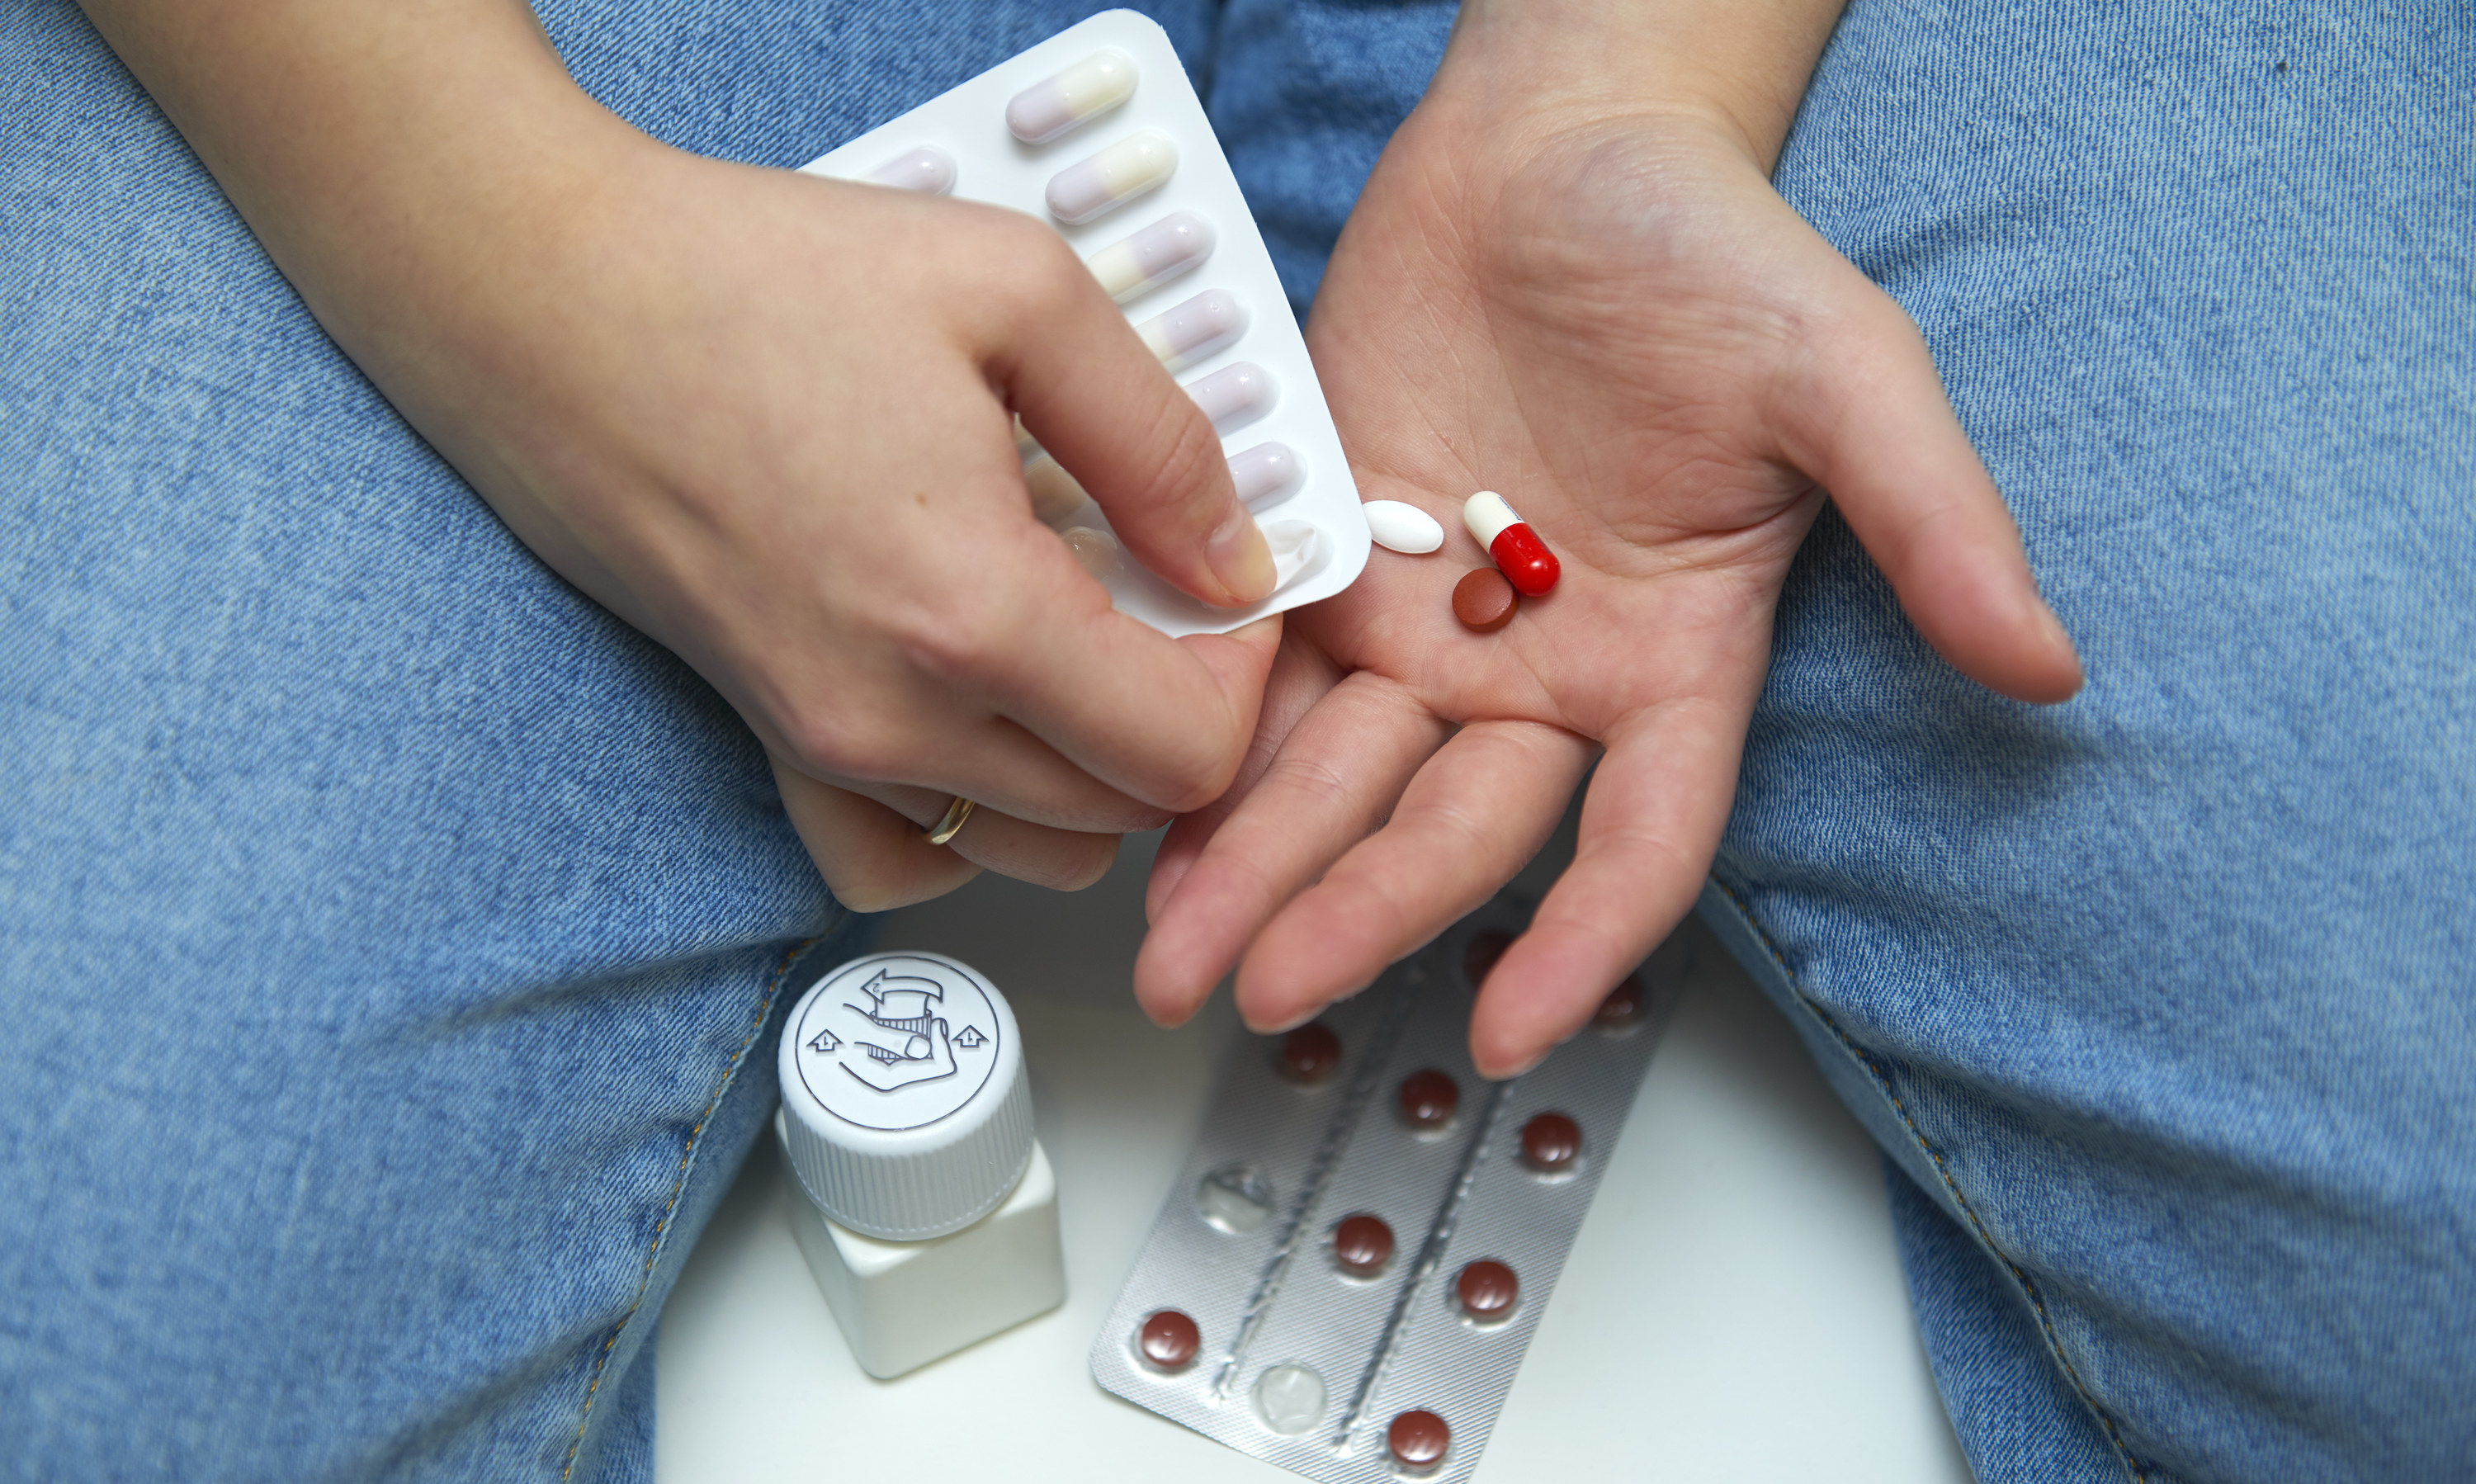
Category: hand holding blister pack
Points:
column 1097, row 131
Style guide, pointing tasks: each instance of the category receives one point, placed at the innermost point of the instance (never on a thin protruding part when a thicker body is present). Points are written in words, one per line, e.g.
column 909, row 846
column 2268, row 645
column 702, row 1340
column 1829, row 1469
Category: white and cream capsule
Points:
column 1083, row 91
column 1263, row 474
column 1095, row 185
column 1189, row 330
column 1161, row 251
column 928, row 170
column 1235, row 395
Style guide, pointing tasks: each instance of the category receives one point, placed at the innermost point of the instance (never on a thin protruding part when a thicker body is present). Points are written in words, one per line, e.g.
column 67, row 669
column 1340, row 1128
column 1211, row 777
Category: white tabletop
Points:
column 1733, row 1309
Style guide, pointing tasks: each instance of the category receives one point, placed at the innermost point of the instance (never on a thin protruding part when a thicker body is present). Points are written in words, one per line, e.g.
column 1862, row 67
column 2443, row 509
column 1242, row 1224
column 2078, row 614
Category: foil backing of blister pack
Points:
column 1274, row 1294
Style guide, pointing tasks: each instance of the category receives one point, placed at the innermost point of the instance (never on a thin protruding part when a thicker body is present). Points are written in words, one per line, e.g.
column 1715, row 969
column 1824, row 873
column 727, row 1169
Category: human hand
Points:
column 824, row 513
column 1597, row 306
column 763, row 417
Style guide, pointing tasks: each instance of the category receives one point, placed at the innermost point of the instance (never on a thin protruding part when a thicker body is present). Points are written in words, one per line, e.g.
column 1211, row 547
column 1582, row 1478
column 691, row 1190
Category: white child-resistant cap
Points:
column 906, row 1112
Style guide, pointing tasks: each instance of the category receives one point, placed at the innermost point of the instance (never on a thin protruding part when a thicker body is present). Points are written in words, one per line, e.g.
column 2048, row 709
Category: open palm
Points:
column 1619, row 326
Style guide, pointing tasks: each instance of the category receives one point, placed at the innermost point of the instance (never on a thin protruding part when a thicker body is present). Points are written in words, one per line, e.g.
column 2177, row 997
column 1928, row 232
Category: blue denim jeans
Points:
column 391, row 941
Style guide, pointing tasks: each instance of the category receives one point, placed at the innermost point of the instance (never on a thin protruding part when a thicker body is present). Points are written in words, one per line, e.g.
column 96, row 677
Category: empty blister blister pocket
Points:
column 1097, row 131
column 1352, row 1264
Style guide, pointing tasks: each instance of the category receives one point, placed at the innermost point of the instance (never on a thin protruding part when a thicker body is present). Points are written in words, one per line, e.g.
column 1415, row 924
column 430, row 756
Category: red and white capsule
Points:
column 1518, row 553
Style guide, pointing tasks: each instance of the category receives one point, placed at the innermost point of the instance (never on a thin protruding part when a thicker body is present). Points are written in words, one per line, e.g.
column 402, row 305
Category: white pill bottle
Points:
column 922, row 1201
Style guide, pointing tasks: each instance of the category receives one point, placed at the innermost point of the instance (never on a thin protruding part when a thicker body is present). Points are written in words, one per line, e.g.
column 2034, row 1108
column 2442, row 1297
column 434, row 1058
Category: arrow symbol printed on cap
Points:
column 827, row 1042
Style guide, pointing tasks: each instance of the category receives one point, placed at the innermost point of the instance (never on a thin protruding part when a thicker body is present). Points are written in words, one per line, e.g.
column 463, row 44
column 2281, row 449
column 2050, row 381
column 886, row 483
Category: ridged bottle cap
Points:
column 906, row 1112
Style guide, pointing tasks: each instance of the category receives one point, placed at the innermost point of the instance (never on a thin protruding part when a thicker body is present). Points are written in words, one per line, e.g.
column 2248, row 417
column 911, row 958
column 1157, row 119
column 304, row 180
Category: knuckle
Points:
column 1192, row 475
column 955, row 636
column 1032, row 269
column 1081, row 863
column 1199, row 773
column 849, row 741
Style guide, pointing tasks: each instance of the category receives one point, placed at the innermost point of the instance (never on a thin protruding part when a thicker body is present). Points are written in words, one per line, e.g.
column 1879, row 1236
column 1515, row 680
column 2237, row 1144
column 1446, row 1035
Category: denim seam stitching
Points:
column 1882, row 1083
column 679, row 1184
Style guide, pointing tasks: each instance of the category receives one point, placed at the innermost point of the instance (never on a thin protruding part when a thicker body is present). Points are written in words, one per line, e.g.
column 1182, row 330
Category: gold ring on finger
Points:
column 950, row 823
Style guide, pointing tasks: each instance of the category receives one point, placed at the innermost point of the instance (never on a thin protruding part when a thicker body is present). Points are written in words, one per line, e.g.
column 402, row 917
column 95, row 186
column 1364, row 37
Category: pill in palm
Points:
column 1402, row 526
column 1091, row 187
column 1263, row 474
column 1235, row 395
column 1484, row 600
column 1153, row 256
column 1193, row 329
column 1516, row 549
column 1083, row 91
column 928, row 169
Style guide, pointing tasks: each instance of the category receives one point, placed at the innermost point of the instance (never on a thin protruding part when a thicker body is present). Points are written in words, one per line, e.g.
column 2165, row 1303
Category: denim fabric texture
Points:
column 391, row 941
column 2163, row 995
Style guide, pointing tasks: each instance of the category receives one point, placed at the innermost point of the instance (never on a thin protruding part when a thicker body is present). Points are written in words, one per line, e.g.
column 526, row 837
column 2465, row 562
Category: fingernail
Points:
column 2052, row 624
column 1277, row 1027
column 1516, row 1070
column 2052, row 628
column 1238, row 556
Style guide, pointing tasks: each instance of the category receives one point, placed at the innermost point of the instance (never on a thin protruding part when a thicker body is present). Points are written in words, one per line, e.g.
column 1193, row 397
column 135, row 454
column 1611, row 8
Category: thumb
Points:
column 1103, row 406
column 1867, row 419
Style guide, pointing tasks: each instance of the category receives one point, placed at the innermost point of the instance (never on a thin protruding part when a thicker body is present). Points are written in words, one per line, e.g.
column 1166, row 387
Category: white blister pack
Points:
column 1346, row 1276
column 1098, row 133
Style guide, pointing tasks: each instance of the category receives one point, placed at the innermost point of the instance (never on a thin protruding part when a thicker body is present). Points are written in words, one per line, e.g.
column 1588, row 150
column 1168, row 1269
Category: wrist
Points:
column 383, row 155
column 1737, row 68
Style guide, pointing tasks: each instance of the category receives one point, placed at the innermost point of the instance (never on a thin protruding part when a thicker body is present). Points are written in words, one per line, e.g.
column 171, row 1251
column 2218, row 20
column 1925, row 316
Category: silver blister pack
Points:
column 1299, row 1359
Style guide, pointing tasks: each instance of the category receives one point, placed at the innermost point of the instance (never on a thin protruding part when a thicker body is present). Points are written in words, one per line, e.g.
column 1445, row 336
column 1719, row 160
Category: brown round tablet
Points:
column 1484, row 600
column 1428, row 1098
column 1620, row 1009
column 1418, row 1440
column 1480, row 953
column 1362, row 1245
column 1310, row 1053
column 1486, row 1290
column 1550, row 1143
column 1168, row 1340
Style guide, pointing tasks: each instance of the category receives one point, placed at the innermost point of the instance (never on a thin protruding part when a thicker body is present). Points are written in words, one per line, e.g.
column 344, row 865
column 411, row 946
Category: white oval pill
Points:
column 1235, row 395
column 1087, row 89
column 1186, row 333
column 1263, row 474
column 1153, row 256
column 1398, row 526
column 928, row 170
column 1089, row 188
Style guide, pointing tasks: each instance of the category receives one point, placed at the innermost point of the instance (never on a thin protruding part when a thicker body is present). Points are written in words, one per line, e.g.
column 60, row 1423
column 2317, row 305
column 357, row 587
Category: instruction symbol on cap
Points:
column 891, row 1023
